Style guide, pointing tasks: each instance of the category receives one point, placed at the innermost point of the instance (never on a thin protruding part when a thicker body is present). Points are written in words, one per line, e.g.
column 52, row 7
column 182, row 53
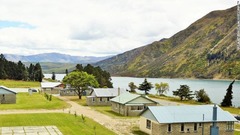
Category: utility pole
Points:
column 238, row 25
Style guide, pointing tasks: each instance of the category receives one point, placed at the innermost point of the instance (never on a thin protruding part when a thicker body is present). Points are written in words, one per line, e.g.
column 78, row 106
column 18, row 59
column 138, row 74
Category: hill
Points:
column 206, row 49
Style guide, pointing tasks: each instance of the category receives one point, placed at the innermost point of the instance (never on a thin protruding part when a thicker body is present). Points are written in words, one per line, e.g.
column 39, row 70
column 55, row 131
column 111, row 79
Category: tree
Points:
column 183, row 92
column 162, row 87
column 103, row 77
column 80, row 81
column 38, row 75
column 202, row 96
column 79, row 67
column 53, row 76
column 66, row 71
column 132, row 87
column 227, row 101
column 145, row 86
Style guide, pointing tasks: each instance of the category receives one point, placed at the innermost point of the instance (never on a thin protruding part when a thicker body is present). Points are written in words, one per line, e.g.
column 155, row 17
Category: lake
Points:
column 216, row 89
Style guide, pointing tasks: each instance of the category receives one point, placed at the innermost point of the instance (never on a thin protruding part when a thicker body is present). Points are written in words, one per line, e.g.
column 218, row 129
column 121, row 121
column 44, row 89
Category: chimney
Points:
column 214, row 129
column 118, row 91
column 214, row 112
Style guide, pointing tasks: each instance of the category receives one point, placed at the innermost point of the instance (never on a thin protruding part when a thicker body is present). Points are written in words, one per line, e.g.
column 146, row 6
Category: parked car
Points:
column 237, row 117
column 33, row 90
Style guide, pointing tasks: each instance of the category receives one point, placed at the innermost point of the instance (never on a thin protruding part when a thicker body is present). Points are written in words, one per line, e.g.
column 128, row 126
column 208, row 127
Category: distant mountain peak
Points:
column 54, row 57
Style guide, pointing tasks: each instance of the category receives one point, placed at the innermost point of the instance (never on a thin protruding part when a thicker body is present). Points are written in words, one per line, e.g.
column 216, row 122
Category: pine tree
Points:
column 145, row 86
column 227, row 101
column 53, row 76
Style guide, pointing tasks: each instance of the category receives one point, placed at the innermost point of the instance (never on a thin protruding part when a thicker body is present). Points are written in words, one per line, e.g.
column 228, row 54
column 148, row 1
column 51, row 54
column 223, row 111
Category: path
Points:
column 119, row 125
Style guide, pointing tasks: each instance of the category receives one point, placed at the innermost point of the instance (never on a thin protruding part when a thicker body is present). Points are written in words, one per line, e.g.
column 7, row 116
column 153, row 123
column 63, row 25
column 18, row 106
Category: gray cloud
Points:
column 83, row 27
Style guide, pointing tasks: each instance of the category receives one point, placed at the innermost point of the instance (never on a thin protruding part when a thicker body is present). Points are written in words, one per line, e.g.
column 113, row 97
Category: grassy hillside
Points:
column 206, row 49
column 49, row 67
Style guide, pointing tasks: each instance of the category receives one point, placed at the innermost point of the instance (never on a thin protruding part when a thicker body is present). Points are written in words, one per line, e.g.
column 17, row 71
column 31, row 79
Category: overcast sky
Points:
column 95, row 27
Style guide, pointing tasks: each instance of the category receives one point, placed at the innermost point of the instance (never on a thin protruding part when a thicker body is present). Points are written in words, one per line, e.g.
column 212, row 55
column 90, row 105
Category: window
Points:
column 200, row 124
column 140, row 107
column 148, row 124
column 182, row 127
column 100, row 99
column 136, row 107
column 195, row 127
column 230, row 126
column 108, row 99
column 93, row 99
column 169, row 128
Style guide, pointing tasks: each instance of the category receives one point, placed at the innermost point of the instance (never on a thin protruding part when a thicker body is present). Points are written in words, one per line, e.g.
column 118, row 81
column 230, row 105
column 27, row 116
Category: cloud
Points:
column 93, row 27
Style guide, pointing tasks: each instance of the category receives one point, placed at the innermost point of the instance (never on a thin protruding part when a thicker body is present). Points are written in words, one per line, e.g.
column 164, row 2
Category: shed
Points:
column 7, row 96
column 129, row 104
column 52, row 87
column 102, row 96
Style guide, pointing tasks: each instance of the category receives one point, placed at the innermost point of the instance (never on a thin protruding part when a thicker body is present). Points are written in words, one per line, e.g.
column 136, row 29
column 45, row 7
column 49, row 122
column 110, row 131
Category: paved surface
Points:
column 30, row 130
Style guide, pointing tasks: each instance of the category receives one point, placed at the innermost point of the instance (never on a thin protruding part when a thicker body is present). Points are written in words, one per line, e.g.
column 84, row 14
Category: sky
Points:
column 95, row 27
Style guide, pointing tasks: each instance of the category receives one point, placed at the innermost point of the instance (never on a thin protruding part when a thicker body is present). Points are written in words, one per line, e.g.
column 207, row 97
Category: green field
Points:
column 34, row 101
column 68, row 124
column 19, row 84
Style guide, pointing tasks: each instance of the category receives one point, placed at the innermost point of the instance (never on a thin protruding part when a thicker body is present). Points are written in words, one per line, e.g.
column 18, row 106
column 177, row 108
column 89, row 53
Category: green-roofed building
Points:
column 7, row 96
column 129, row 104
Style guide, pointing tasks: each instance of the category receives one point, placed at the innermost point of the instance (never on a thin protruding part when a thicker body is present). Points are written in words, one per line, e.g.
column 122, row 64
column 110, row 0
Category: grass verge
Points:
column 194, row 102
column 34, row 101
column 68, row 124
column 19, row 84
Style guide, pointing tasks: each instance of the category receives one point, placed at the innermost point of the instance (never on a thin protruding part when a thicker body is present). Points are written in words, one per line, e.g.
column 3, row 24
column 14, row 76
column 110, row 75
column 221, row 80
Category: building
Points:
column 68, row 92
column 102, row 96
column 129, row 104
column 51, row 87
column 7, row 96
column 186, row 120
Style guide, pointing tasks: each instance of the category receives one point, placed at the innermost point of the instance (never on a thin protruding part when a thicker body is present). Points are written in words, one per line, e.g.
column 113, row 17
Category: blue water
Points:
column 216, row 89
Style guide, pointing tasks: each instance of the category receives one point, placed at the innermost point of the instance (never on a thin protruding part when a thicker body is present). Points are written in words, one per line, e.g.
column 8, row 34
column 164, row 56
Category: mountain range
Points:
column 206, row 49
column 54, row 57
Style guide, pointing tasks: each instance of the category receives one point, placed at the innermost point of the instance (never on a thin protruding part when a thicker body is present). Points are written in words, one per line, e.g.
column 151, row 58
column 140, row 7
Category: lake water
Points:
column 216, row 89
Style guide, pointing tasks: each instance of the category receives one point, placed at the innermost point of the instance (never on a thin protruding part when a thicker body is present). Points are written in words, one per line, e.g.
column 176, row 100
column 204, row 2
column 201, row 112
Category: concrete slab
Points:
column 30, row 130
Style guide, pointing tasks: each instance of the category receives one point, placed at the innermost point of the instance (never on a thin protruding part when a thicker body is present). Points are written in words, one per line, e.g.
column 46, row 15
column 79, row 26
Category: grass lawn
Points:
column 193, row 102
column 82, row 101
column 108, row 111
column 102, row 109
column 34, row 101
column 68, row 124
column 19, row 84
column 232, row 110
column 174, row 99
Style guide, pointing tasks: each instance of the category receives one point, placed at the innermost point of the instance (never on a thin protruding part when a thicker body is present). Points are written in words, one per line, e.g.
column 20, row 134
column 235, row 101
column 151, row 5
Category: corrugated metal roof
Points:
column 50, row 84
column 107, row 92
column 185, row 114
column 129, row 97
column 5, row 89
column 125, row 97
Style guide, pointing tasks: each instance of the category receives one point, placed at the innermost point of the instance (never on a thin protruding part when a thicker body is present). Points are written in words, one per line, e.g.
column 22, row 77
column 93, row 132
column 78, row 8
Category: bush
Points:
column 202, row 96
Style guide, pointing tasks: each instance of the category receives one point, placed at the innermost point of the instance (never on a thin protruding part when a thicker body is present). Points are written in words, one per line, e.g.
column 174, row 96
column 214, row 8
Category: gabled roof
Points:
column 5, row 90
column 107, row 92
column 186, row 114
column 128, row 97
column 50, row 84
